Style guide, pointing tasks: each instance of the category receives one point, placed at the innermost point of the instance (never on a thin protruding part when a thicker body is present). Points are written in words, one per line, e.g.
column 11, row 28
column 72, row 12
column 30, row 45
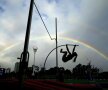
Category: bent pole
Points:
column 53, row 50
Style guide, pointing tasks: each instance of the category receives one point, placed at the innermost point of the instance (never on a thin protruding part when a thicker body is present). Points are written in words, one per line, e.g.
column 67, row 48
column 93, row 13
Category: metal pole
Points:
column 34, row 58
column 56, row 44
column 24, row 61
column 56, row 50
column 35, row 50
column 28, row 27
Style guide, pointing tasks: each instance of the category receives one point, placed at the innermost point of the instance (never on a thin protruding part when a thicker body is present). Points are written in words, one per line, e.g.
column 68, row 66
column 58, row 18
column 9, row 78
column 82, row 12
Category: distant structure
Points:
column 16, row 69
column 35, row 68
column 8, row 70
column 2, row 71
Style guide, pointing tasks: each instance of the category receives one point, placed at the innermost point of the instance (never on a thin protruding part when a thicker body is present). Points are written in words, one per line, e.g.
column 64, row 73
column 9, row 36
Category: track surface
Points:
column 47, row 85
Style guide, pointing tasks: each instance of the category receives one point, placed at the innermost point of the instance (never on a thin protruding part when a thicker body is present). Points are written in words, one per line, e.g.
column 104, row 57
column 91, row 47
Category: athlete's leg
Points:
column 64, row 55
column 65, row 52
column 75, row 56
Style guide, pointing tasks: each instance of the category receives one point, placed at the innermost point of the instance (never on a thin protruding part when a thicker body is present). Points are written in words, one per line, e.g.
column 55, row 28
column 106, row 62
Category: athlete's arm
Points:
column 68, row 49
column 74, row 48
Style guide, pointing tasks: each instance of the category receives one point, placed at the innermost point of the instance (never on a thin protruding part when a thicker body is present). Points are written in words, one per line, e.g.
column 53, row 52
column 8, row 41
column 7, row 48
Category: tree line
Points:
column 88, row 72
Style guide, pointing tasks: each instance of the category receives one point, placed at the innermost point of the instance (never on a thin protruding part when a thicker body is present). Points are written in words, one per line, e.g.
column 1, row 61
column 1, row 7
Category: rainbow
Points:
column 8, row 48
column 61, row 38
column 86, row 45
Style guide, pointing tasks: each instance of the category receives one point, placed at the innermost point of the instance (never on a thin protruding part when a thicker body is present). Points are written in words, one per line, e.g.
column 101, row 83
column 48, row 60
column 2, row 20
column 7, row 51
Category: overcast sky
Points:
column 82, row 22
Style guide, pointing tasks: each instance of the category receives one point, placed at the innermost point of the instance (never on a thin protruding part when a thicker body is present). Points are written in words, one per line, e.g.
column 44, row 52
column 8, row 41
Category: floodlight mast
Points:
column 25, row 54
column 34, row 50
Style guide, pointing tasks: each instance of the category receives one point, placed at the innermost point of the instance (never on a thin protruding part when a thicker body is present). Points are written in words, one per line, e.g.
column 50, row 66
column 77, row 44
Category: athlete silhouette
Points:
column 68, row 55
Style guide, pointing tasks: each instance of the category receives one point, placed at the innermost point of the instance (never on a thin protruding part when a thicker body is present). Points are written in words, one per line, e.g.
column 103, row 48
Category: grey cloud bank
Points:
column 84, row 20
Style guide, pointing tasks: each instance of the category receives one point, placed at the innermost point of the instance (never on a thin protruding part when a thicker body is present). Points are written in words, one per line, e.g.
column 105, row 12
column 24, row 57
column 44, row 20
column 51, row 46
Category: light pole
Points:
column 34, row 50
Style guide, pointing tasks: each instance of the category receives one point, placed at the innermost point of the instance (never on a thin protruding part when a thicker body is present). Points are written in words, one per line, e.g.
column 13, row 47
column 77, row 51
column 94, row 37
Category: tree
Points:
column 85, row 71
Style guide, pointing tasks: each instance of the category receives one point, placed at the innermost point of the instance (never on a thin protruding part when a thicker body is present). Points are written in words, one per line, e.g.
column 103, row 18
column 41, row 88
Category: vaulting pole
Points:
column 25, row 54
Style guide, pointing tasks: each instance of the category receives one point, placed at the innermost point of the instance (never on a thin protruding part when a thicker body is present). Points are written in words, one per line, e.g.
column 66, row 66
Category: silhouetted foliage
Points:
column 85, row 72
column 103, row 75
column 67, row 74
column 80, row 71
